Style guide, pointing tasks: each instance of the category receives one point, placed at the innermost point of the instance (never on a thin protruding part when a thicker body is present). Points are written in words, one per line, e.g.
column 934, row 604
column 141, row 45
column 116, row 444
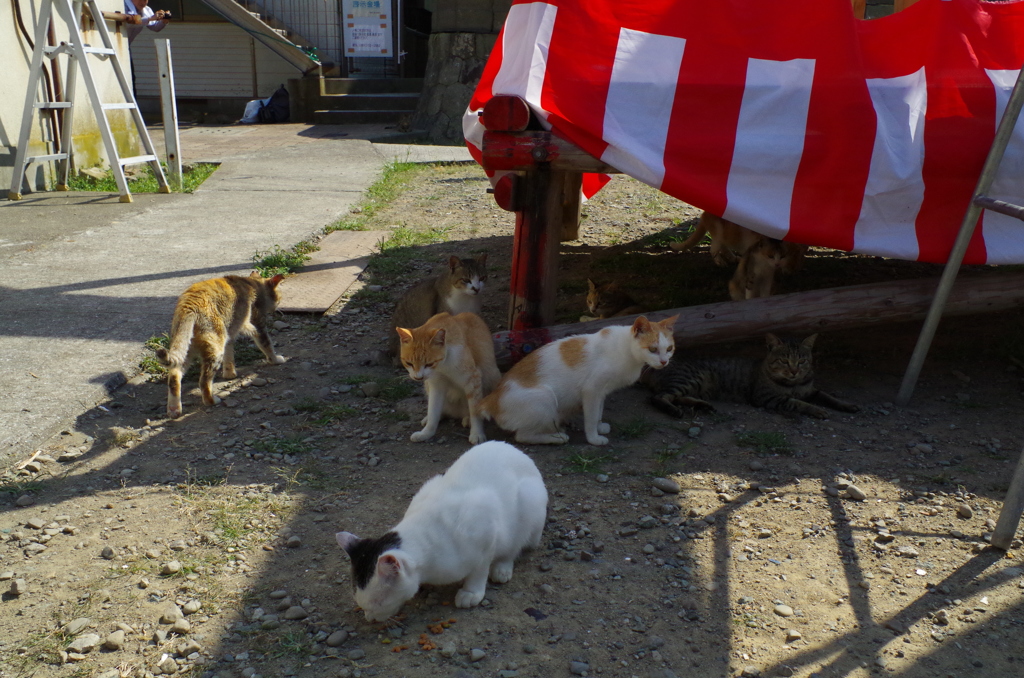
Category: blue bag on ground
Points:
column 276, row 110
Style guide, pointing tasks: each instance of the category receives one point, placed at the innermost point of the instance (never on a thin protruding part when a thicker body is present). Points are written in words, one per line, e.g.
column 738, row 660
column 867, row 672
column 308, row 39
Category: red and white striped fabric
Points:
column 796, row 120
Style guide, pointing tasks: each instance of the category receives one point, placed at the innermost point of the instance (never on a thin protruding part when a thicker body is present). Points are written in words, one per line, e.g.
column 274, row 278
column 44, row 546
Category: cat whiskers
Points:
column 393, row 622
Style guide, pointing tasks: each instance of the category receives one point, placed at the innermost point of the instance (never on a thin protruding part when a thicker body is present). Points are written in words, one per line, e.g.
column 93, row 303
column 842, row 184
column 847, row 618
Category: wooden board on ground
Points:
column 330, row 271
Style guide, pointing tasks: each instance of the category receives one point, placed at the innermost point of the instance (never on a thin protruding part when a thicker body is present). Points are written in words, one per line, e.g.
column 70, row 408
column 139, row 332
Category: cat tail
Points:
column 181, row 339
column 698, row 234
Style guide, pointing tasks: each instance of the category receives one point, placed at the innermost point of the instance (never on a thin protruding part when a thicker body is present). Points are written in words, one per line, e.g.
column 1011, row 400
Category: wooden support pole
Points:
column 1013, row 507
column 818, row 310
column 535, row 249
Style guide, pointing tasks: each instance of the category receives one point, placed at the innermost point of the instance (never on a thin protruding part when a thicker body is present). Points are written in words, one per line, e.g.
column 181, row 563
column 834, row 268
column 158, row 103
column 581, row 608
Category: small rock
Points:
column 755, row 465
column 476, row 654
column 191, row 607
column 370, row 389
column 855, row 493
column 449, row 650
column 25, row 500
column 76, row 626
column 337, row 638
column 666, row 485
column 792, row 635
column 115, row 641
column 293, row 542
column 178, row 545
column 18, row 587
column 964, row 511
column 170, row 614
column 601, row 478
column 170, row 567
column 784, row 610
column 181, row 626
column 107, row 553
column 281, row 593
column 36, row 523
column 295, row 612
column 579, row 668
column 7, row 575
column 167, row 665
column 84, row 643
column 356, row 654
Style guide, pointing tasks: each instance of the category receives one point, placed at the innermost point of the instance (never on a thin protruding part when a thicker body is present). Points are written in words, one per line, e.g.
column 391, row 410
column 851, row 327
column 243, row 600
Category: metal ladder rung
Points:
column 1001, row 206
column 98, row 50
column 46, row 158
column 137, row 160
column 111, row 107
column 53, row 104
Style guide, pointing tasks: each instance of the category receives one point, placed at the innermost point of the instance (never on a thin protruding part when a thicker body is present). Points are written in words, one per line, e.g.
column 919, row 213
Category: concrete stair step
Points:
column 372, row 85
column 338, row 117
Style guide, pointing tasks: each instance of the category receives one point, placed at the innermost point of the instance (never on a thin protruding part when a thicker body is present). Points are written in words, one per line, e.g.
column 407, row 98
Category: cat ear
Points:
column 669, row 323
column 772, row 340
column 809, row 341
column 404, row 335
column 275, row 281
column 346, row 540
column 482, row 259
column 388, row 567
column 591, row 284
column 437, row 338
column 454, row 262
column 641, row 325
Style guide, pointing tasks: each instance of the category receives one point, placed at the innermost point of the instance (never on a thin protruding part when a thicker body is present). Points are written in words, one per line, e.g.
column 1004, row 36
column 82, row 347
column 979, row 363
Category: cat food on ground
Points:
column 466, row 525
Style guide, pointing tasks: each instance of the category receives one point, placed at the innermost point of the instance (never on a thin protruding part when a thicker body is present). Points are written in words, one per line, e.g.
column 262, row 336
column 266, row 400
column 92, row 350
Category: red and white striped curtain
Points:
column 794, row 119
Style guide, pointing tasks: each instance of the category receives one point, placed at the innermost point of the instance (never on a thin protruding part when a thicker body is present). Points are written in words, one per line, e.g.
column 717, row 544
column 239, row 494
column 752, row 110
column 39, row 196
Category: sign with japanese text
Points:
column 368, row 28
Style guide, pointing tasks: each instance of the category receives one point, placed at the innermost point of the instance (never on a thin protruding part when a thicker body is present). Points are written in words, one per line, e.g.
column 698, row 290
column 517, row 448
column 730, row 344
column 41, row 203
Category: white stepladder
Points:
column 77, row 51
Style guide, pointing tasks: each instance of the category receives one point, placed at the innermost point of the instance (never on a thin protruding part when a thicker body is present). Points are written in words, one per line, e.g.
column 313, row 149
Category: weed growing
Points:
column 765, row 442
column 391, row 183
column 192, row 176
column 585, row 462
column 279, row 261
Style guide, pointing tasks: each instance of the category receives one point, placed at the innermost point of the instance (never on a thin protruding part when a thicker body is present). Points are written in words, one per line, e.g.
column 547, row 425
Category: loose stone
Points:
column 579, row 668
column 18, row 587
column 965, row 511
column 294, row 542
column 76, row 626
column 356, row 654
column 107, row 553
column 337, row 638
column 115, row 641
column 784, row 610
column 476, row 654
column 278, row 594
column 191, row 607
column 856, row 493
column 84, row 643
column 181, row 626
column 295, row 612
column 167, row 665
column 666, row 485
column 171, row 567
column 170, row 614
column 793, row 635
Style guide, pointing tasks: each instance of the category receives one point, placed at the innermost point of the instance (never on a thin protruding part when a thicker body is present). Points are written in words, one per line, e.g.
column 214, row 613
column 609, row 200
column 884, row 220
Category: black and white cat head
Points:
column 381, row 574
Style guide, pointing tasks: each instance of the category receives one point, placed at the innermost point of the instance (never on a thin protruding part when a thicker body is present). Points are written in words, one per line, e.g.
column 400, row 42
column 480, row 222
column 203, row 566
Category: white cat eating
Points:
column 470, row 522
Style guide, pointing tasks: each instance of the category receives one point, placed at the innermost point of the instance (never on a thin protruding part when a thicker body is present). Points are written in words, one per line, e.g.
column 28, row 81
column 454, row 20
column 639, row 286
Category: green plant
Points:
column 192, row 176
column 770, row 442
column 292, row 445
column 292, row 643
column 584, row 462
column 394, row 389
column 663, row 457
column 279, row 261
column 332, row 413
column 635, row 428
column 392, row 181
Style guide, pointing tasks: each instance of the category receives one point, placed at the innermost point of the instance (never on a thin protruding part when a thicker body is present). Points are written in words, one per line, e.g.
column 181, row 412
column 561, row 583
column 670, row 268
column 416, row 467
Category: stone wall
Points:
column 456, row 63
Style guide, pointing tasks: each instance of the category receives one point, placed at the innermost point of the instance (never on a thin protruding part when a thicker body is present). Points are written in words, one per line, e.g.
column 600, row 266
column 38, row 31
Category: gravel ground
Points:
column 733, row 543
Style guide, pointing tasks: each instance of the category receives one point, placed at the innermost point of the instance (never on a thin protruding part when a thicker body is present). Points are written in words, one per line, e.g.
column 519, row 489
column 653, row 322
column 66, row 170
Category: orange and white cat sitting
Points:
column 208, row 317
column 554, row 382
column 453, row 355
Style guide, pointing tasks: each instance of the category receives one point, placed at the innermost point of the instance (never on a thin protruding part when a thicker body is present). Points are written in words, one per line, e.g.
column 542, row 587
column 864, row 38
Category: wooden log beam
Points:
column 814, row 311
column 520, row 151
column 1013, row 507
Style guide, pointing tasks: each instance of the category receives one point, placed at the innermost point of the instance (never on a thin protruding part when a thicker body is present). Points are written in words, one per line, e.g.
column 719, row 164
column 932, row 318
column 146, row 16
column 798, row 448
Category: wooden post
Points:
column 169, row 108
column 813, row 311
column 535, row 249
column 572, row 202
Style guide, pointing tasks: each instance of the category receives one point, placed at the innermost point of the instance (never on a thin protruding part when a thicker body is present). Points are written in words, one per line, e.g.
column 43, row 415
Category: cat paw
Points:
column 279, row 359
column 501, row 572
column 477, row 438
column 597, row 440
column 214, row 400
column 420, row 436
column 603, row 428
column 228, row 374
column 466, row 598
column 174, row 412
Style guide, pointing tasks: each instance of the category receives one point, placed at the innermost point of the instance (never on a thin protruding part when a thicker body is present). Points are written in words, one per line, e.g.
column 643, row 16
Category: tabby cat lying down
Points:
column 782, row 382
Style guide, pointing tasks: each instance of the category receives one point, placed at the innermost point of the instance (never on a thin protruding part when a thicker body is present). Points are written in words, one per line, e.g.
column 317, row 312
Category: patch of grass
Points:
column 635, row 428
column 291, row 643
column 585, row 462
column 395, row 416
column 192, row 176
column 307, row 404
column 291, row 445
column 399, row 250
column 389, row 186
column 663, row 457
column 123, row 437
column 765, row 442
column 332, row 413
column 394, row 389
column 280, row 261
column 12, row 485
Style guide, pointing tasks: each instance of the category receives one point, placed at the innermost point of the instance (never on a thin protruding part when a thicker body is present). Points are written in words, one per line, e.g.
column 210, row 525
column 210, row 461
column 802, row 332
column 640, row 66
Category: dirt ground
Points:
column 852, row 546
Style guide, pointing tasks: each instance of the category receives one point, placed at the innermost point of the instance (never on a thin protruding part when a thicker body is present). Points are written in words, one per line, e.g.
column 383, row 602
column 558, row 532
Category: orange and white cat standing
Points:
column 554, row 382
column 208, row 317
column 453, row 355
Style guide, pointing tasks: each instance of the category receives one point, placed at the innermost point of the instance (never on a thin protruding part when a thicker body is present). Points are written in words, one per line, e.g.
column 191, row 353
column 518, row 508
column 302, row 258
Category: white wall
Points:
column 15, row 56
column 210, row 61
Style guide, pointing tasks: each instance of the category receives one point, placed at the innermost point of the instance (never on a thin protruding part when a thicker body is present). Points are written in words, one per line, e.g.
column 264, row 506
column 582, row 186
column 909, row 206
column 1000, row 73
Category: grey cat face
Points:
column 789, row 361
column 468, row 275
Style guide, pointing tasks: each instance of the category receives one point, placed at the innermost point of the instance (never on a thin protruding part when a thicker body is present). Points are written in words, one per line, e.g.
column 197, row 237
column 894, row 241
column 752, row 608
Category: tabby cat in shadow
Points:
column 455, row 290
column 782, row 382
column 208, row 317
column 608, row 301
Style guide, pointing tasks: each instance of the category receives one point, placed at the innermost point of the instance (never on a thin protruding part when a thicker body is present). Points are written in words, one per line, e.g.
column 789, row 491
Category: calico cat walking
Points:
column 468, row 524
column 454, row 358
column 782, row 382
column 608, row 301
column 455, row 290
column 555, row 381
column 208, row 317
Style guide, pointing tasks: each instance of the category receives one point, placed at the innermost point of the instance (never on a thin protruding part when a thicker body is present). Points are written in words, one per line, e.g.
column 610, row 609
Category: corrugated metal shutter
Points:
column 210, row 60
